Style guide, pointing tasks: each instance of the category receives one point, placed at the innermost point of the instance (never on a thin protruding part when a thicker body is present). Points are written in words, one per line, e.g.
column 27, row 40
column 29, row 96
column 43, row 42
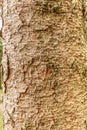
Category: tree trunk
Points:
column 44, row 65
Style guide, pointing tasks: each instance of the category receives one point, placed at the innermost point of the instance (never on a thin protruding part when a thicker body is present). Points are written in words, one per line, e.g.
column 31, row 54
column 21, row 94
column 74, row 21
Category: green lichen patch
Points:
column 29, row 124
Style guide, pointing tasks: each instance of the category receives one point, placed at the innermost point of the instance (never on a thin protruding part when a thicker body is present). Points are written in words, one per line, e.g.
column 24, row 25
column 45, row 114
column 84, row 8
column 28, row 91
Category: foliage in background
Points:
column 0, row 47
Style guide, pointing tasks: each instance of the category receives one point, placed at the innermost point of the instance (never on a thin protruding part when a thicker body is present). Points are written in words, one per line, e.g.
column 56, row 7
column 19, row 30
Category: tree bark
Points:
column 44, row 65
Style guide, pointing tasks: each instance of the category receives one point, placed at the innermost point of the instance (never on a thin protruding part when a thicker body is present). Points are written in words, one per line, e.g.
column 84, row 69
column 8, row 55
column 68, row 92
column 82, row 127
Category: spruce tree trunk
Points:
column 44, row 65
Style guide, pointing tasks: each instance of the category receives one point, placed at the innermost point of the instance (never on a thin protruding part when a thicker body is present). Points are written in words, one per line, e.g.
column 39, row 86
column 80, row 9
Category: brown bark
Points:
column 44, row 65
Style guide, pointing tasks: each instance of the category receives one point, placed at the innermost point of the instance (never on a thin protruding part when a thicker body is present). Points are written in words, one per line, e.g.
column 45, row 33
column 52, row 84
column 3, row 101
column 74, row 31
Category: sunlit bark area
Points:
column 44, row 65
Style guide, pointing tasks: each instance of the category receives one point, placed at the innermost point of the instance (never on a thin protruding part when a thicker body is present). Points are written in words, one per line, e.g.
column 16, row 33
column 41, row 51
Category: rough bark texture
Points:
column 44, row 65
column 0, row 65
column 0, row 49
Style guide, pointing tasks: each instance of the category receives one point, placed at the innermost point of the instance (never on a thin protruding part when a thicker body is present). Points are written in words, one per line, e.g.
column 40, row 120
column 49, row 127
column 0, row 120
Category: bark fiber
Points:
column 44, row 65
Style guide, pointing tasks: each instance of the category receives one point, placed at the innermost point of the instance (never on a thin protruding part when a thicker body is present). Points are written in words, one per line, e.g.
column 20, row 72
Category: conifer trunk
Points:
column 44, row 65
